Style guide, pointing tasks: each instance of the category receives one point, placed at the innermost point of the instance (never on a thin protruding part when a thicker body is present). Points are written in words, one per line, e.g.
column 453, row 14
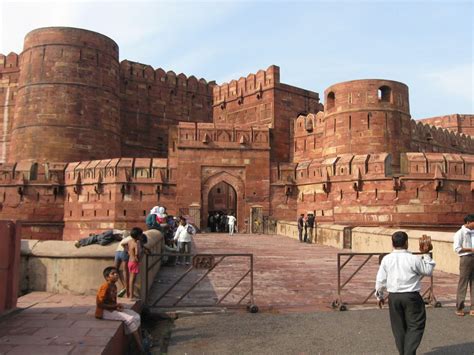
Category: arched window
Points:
column 330, row 100
column 384, row 94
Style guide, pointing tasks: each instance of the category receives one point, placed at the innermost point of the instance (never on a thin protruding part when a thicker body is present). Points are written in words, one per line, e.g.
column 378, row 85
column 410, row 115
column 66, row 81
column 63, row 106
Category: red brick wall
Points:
column 153, row 100
column 67, row 97
column 9, row 75
column 261, row 99
column 34, row 193
column 114, row 193
column 357, row 121
column 433, row 189
column 208, row 154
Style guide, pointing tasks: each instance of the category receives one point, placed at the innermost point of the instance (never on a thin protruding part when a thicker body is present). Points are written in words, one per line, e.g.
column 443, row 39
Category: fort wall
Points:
column 152, row 101
column 67, row 96
column 9, row 76
column 367, row 116
column 237, row 155
column 457, row 123
column 261, row 99
column 433, row 189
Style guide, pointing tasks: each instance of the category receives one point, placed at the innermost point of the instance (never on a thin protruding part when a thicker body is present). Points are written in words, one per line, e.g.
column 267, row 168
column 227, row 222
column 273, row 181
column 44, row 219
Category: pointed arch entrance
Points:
column 223, row 190
column 222, row 200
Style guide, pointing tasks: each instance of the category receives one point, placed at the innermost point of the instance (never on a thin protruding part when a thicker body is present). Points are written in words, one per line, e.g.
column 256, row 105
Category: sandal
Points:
column 471, row 313
column 459, row 313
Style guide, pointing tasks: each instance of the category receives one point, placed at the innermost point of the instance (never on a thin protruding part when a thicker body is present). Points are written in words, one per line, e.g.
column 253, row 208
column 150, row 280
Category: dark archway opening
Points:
column 222, row 201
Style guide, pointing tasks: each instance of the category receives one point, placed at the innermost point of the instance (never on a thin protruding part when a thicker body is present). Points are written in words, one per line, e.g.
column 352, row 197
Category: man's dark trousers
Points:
column 408, row 318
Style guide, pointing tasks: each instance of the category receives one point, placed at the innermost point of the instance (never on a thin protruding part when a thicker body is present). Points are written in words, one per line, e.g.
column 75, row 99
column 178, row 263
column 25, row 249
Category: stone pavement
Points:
column 50, row 324
column 288, row 276
column 353, row 332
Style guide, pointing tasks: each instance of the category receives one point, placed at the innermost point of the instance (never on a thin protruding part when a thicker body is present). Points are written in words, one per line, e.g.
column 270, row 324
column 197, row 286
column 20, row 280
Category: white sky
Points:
column 428, row 45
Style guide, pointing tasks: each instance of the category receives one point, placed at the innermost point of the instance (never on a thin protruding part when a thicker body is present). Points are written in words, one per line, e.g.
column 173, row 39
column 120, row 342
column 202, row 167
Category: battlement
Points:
column 119, row 170
column 440, row 139
column 459, row 123
column 145, row 73
column 252, row 84
column 9, row 63
column 213, row 135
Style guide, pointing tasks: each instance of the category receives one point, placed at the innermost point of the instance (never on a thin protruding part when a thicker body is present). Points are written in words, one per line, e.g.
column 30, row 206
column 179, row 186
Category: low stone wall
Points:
column 60, row 267
column 378, row 240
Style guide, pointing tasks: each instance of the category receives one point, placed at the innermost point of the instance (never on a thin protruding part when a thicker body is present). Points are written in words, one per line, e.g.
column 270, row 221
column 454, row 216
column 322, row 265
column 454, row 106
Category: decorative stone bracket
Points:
column 99, row 186
column 78, row 185
column 397, row 183
column 326, row 183
column 357, row 181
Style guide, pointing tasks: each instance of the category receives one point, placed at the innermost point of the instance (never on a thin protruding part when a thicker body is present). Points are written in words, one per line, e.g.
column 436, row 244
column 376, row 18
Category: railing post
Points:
column 339, row 275
column 146, row 278
column 251, row 278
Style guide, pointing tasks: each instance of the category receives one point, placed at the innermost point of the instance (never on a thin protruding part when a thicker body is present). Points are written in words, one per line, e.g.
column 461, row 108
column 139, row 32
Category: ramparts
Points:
column 67, row 96
column 433, row 189
column 9, row 76
column 152, row 101
column 457, row 123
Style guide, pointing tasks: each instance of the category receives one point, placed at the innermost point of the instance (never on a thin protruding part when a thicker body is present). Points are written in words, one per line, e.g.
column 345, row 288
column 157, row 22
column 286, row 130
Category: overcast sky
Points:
column 428, row 45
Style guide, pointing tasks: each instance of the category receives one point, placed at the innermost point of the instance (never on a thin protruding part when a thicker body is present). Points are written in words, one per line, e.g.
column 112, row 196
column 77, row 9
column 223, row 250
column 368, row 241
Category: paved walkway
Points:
column 50, row 324
column 353, row 332
column 288, row 276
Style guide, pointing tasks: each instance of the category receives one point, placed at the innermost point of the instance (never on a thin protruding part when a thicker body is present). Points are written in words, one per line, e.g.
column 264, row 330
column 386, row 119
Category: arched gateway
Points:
column 223, row 192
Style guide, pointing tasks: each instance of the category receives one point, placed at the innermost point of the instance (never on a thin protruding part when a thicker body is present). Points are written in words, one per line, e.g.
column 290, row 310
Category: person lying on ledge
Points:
column 104, row 238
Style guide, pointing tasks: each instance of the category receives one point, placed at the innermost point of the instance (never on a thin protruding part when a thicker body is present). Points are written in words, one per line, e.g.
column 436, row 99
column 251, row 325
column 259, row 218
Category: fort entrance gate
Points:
column 222, row 198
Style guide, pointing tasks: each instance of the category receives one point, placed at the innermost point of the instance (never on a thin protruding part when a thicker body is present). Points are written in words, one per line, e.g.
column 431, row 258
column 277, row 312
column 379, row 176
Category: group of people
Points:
column 219, row 222
column 306, row 227
column 177, row 232
column 129, row 252
column 400, row 274
column 130, row 249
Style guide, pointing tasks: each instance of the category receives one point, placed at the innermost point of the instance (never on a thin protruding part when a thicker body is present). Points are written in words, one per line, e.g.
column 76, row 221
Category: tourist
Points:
column 184, row 239
column 400, row 274
column 464, row 246
column 134, row 247
column 151, row 219
column 310, row 222
column 300, row 227
column 108, row 308
column 231, row 222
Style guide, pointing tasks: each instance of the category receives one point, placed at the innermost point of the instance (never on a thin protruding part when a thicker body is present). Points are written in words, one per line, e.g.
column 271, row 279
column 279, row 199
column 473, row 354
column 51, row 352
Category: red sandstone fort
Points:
column 90, row 143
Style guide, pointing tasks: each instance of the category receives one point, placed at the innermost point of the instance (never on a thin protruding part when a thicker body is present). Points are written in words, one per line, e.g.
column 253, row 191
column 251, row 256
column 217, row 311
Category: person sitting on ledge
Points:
column 104, row 238
column 108, row 308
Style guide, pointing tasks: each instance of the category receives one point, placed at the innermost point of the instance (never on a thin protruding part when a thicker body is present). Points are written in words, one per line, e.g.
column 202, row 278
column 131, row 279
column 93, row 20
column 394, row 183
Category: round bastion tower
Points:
column 367, row 117
column 67, row 106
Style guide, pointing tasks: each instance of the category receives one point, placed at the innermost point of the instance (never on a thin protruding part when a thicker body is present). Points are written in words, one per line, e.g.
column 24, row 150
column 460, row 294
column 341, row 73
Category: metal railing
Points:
column 428, row 295
column 207, row 262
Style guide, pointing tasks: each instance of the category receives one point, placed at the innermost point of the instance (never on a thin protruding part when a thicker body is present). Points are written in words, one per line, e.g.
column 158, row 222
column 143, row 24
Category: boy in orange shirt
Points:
column 108, row 308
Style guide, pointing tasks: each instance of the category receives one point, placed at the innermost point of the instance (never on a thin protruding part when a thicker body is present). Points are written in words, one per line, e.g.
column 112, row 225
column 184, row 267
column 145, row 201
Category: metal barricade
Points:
column 428, row 295
column 206, row 263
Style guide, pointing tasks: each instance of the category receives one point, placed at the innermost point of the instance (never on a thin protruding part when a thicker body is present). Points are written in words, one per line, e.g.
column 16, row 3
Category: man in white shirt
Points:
column 400, row 273
column 463, row 245
column 231, row 222
column 184, row 241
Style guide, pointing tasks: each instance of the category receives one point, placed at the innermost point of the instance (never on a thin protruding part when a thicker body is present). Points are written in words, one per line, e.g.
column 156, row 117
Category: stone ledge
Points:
column 61, row 324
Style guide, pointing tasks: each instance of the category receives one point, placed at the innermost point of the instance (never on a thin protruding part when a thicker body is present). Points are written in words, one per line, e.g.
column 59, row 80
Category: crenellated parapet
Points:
column 460, row 123
column 9, row 63
column 253, row 84
column 161, row 82
column 228, row 136
column 430, row 138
